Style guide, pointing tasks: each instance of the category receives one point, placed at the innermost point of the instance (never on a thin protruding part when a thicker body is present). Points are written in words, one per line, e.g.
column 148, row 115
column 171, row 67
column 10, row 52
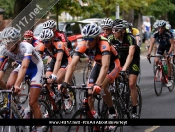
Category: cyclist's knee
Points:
column 33, row 104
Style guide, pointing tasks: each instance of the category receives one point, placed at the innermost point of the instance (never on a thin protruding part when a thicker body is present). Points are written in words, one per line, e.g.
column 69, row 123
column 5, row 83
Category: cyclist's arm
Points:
column 71, row 68
column 104, row 69
column 58, row 63
column 129, row 57
column 22, row 71
column 172, row 46
column 137, row 40
column 151, row 45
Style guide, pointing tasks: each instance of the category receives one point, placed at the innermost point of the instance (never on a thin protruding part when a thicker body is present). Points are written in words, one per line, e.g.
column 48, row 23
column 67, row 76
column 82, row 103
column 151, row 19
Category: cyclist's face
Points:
column 90, row 42
column 47, row 43
column 107, row 31
column 28, row 39
column 161, row 29
column 117, row 32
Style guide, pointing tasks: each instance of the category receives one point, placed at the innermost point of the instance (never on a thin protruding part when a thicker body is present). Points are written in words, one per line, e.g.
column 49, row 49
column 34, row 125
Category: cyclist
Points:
column 58, row 35
column 60, row 58
column 105, row 69
column 166, row 43
column 31, row 64
column 28, row 37
column 129, row 55
column 135, row 32
column 106, row 25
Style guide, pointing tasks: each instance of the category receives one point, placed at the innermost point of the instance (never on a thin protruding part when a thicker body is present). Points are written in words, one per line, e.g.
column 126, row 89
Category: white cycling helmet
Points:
column 10, row 34
column 46, row 34
column 49, row 24
column 168, row 26
column 155, row 25
column 161, row 23
column 107, row 22
column 91, row 30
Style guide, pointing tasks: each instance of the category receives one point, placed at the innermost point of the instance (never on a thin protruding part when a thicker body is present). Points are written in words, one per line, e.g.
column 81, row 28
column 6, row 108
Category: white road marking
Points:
column 151, row 129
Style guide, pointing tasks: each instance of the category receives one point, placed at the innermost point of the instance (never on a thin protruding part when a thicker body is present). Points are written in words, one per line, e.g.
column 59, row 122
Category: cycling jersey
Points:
column 56, row 48
column 4, row 64
column 102, row 48
column 135, row 31
column 60, row 35
column 164, row 38
column 123, row 51
column 35, row 68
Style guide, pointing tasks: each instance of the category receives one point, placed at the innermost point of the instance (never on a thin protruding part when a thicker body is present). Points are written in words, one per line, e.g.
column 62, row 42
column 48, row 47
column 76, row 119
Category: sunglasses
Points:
column 106, row 29
column 116, row 30
column 45, row 41
column 27, row 39
column 89, row 39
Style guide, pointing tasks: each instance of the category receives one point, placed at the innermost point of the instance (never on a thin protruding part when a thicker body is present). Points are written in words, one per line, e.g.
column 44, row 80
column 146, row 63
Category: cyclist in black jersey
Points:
column 166, row 43
column 129, row 55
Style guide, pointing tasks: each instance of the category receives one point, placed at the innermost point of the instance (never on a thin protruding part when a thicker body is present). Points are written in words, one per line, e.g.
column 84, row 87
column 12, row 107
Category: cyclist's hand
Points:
column 53, row 77
column 17, row 89
column 123, row 73
column 63, row 85
column 149, row 56
column 96, row 89
column 14, row 63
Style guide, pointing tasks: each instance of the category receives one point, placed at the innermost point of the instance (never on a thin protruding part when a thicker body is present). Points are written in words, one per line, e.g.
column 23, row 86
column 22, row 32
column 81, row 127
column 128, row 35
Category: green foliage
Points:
column 8, row 6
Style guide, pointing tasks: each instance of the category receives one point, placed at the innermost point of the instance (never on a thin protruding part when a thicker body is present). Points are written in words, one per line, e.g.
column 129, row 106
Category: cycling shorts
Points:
column 113, row 71
column 35, row 73
column 162, row 48
column 50, row 66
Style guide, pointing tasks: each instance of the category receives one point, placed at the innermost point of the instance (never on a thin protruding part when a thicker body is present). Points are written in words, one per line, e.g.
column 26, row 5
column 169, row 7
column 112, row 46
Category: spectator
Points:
column 147, row 31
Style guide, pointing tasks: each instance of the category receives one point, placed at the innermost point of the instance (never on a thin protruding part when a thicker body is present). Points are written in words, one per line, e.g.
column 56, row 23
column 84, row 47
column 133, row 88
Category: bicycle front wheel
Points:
column 79, row 128
column 158, row 81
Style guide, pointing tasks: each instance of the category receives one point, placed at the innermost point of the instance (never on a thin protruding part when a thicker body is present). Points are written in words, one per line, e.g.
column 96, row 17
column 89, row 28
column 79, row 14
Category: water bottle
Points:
column 165, row 69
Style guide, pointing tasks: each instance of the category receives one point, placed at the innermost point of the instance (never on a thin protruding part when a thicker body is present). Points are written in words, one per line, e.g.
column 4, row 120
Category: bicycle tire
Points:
column 139, row 101
column 86, row 72
column 139, row 77
column 158, row 81
column 25, row 91
column 173, row 79
column 3, row 115
column 79, row 113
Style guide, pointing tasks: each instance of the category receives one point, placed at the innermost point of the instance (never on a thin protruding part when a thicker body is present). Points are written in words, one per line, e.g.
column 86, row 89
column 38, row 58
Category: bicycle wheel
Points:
column 158, row 81
column 4, row 115
column 46, row 113
column 138, row 77
column 86, row 72
column 25, row 88
column 172, row 79
column 80, row 115
column 139, row 101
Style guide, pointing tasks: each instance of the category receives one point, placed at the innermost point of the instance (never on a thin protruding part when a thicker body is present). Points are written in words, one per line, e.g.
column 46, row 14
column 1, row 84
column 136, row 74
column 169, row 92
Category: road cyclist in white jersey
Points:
column 31, row 64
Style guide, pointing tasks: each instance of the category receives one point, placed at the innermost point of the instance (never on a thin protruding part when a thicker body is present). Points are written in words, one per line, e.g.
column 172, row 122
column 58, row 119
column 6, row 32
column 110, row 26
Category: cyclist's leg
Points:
column 133, row 74
column 35, row 88
column 160, row 51
column 12, row 78
column 92, row 79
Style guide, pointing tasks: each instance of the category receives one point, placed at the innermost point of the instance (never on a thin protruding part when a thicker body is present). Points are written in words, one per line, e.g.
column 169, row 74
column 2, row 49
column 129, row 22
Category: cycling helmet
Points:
column 91, row 30
column 161, row 23
column 130, row 25
column 155, row 25
column 10, row 34
column 49, row 24
column 117, row 21
column 46, row 34
column 168, row 26
column 107, row 22
column 28, row 33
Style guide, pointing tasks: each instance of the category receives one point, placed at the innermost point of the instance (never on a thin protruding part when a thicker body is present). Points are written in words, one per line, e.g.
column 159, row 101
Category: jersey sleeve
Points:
column 59, row 46
column 28, row 50
column 132, row 40
column 40, row 48
column 2, row 53
column 80, row 49
column 104, row 47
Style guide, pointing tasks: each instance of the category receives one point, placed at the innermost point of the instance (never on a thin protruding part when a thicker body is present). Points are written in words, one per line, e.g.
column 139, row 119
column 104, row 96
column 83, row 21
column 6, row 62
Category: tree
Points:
column 8, row 6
